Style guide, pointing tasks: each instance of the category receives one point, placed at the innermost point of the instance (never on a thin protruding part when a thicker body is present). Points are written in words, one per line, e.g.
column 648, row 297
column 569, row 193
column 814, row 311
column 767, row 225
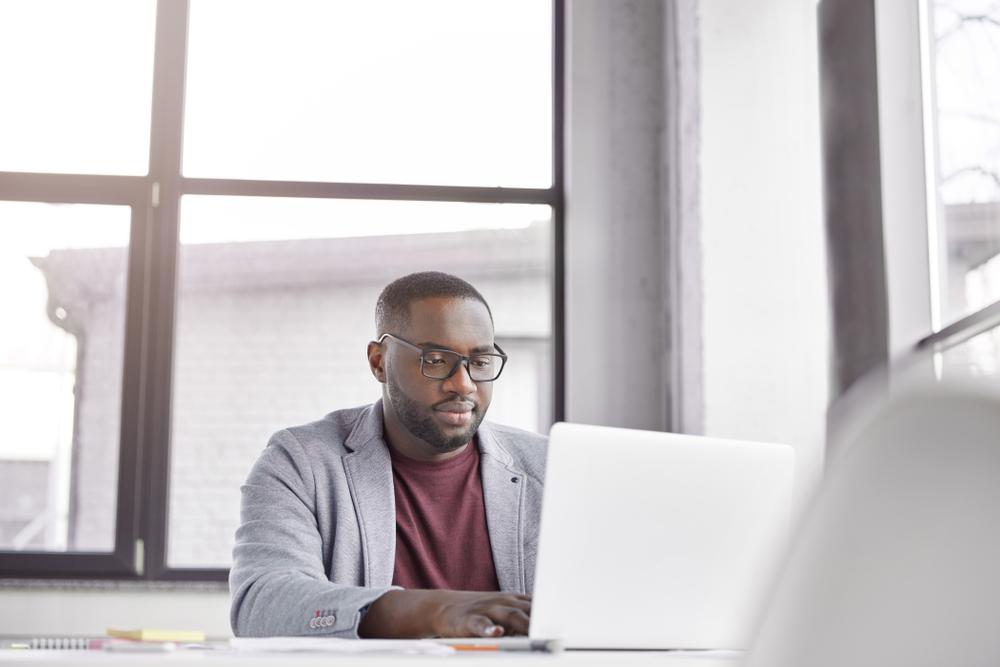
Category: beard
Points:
column 420, row 423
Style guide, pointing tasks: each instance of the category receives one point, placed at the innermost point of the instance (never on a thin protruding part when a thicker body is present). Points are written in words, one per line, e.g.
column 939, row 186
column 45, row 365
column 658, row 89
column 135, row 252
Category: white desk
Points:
column 226, row 658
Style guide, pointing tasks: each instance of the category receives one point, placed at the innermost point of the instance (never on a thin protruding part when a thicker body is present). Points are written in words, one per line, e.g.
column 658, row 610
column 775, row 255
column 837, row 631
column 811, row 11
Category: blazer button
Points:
column 514, row 479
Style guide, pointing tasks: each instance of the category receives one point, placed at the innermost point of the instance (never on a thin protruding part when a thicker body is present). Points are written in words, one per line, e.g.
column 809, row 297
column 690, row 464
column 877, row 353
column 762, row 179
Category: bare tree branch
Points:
column 964, row 20
column 975, row 169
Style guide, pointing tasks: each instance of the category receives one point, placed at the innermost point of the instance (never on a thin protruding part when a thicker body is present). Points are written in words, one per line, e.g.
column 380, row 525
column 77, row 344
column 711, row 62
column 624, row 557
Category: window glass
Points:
column 76, row 83
column 62, row 286
column 454, row 92
column 965, row 46
column 276, row 301
column 974, row 359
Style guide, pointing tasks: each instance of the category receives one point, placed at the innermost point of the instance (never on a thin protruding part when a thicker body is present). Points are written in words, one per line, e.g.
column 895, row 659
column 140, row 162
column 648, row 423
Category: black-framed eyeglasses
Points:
column 441, row 364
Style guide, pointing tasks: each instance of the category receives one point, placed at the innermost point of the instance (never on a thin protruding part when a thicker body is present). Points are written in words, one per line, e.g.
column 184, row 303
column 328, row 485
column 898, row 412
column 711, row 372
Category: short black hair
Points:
column 392, row 310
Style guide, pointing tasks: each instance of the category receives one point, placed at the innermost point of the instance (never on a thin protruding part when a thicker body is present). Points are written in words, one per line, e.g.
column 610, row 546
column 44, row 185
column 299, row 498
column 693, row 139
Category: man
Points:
column 410, row 517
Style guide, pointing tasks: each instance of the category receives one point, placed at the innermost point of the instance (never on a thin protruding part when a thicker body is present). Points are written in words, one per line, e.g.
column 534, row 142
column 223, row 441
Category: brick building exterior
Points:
column 267, row 335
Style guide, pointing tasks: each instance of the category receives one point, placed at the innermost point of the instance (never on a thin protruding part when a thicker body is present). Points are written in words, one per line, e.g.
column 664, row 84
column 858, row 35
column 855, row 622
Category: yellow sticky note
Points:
column 152, row 635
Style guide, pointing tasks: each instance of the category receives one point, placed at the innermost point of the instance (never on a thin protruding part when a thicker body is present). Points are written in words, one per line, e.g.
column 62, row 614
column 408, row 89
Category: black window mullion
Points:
column 72, row 188
column 53, row 565
column 375, row 191
column 129, row 448
column 165, row 177
column 558, row 211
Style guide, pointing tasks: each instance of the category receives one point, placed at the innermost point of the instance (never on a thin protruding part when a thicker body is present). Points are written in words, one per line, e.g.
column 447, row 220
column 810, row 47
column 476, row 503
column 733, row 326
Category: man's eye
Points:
column 481, row 362
column 434, row 360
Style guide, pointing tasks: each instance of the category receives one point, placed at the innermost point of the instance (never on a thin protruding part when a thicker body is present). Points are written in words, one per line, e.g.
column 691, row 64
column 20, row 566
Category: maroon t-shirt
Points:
column 441, row 535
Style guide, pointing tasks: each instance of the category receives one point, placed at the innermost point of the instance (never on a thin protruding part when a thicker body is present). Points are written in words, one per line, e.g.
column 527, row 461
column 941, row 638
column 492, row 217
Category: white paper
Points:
column 337, row 645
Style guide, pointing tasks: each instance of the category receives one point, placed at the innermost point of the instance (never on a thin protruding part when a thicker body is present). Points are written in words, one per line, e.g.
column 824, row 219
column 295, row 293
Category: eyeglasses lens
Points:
column 439, row 365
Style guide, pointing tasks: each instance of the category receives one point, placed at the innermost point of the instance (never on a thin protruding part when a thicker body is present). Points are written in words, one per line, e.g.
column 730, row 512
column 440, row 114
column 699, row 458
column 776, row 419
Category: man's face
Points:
column 443, row 413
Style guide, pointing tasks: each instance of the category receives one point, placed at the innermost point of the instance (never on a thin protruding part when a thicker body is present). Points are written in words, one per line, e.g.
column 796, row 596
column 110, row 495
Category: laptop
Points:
column 653, row 540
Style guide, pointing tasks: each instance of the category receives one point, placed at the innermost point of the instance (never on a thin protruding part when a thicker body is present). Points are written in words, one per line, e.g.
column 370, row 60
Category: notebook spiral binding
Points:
column 62, row 643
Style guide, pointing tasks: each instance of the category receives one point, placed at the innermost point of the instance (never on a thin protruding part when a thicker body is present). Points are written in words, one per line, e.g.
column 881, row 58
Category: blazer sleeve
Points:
column 278, row 581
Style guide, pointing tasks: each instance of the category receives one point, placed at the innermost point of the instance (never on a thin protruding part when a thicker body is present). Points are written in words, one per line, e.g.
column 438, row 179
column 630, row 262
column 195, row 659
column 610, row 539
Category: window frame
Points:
column 911, row 224
column 141, row 523
column 882, row 228
column 110, row 190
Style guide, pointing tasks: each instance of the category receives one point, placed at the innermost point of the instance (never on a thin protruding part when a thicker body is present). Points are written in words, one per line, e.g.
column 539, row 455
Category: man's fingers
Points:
column 488, row 615
column 523, row 605
column 483, row 626
column 516, row 622
column 522, row 602
column 516, row 601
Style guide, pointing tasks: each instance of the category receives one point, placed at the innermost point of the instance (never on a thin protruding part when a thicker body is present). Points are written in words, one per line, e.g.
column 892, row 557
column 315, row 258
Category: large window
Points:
column 912, row 125
column 963, row 42
column 199, row 202
column 63, row 285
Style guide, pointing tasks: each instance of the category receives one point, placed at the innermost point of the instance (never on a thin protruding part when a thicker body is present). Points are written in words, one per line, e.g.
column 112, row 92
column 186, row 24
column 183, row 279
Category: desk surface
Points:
column 227, row 658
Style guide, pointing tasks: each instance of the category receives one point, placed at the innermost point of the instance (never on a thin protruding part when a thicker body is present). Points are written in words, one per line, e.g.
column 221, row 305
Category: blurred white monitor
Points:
column 896, row 561
column 654, row 540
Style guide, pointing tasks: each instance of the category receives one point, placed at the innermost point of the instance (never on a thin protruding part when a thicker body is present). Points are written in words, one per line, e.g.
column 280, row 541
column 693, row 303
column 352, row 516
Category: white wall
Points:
column 765, row 299
column 902, row 153
column 616, row 326
column 763, row 319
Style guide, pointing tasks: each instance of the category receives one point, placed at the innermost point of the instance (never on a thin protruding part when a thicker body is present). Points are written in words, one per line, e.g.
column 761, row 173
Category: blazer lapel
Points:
column 503, row 495
column 369, row 477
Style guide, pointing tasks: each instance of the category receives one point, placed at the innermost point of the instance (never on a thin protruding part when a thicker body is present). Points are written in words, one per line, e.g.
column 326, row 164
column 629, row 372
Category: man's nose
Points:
column 460, row 382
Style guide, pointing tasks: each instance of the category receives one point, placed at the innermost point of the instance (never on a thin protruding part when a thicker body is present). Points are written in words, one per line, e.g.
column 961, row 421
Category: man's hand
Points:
column 433, row 613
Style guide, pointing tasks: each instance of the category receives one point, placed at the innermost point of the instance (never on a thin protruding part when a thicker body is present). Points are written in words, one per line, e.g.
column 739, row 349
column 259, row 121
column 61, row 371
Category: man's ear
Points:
column 376, row 361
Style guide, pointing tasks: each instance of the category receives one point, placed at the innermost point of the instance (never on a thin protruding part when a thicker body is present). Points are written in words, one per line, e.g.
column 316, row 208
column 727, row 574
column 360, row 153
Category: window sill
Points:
column 112, row 585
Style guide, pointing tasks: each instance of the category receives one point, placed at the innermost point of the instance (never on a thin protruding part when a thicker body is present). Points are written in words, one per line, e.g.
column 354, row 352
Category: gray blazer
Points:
column 317, row 538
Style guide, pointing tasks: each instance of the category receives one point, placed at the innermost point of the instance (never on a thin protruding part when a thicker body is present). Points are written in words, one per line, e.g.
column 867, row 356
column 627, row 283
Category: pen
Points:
column 539, row 645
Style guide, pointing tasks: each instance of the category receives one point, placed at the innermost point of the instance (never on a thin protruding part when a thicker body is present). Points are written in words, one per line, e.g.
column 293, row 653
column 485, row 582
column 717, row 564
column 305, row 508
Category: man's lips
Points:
column 455, row 406
column 455, row 413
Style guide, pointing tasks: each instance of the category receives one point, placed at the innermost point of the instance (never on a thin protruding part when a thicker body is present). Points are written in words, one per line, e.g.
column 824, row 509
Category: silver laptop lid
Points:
column 657, row 540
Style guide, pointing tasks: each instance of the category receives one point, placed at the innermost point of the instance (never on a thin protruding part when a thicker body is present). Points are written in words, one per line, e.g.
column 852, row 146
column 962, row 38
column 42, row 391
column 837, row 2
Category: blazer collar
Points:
column 367, row 429
column 503, row 495
column 369, row 476
column 369, row 471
